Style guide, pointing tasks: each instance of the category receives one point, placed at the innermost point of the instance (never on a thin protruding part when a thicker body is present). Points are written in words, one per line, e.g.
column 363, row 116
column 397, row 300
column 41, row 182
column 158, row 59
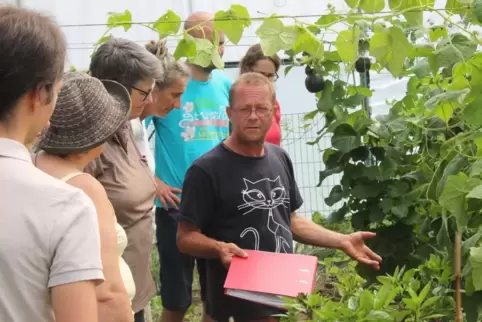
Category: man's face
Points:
column 251, row 113
column 167, row 99
column 141, row 95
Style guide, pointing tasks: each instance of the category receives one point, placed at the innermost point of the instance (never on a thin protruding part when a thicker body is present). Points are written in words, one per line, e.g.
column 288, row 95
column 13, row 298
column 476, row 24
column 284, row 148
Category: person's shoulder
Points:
column 56, row 195
column 211, row 158
column 277, row 151
column 220, row 76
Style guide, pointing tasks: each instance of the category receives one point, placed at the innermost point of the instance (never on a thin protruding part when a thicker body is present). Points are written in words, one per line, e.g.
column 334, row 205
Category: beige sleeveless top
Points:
column 121, row 246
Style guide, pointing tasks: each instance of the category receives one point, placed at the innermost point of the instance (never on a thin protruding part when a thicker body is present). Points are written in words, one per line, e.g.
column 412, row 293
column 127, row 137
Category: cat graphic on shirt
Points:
column 255, row 196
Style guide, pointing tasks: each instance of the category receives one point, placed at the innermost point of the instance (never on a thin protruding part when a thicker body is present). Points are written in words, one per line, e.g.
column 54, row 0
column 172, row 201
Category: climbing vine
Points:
column 414, row 176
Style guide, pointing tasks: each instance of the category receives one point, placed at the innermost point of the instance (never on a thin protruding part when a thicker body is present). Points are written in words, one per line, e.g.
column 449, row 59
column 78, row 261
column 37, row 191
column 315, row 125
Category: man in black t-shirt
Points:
column 243, row 195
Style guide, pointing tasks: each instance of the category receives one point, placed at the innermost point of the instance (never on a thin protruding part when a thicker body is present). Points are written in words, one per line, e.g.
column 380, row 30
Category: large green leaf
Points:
column 204, row 52
column 275, row 36
column 390, row 47
column 453, row 197
column 185, row 48
column 120, row 19
column 232, row 22
column 345, row 138
column 453, row 49
column 456, row 7
column 369, row 6
column 476, row 261
column 472, row 113
column 347, row 44
column 309, row 43
column 167, row 24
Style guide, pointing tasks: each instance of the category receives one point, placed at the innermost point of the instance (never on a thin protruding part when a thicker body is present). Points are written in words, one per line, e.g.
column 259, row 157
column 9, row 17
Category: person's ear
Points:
column 229, row 111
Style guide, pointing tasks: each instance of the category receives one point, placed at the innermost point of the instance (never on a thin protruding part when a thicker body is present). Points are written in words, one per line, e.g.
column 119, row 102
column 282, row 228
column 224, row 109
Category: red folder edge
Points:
column 298, row 273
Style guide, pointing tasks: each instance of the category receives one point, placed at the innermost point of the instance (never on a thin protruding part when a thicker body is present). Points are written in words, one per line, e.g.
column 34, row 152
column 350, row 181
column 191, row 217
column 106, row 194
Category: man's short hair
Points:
column 251, row 79
column 125, row 62
column 32, row 54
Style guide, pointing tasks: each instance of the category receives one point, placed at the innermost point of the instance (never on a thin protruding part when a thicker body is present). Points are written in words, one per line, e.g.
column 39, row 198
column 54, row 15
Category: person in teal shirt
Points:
column 184, row 135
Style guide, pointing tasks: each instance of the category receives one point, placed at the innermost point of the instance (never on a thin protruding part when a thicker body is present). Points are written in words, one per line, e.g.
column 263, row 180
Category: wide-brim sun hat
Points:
column 88, row 112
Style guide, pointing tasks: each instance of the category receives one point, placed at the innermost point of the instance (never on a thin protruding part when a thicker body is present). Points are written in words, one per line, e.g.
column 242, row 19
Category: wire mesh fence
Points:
column 308, row 161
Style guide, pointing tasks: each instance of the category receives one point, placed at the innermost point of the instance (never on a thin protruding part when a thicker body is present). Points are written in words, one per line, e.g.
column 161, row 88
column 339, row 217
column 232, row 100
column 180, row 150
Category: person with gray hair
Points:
column 166, row 95
column 121, row 168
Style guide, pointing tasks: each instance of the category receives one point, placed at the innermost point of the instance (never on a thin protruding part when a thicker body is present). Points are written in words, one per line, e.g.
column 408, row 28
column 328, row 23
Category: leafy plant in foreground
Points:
column 420, row 294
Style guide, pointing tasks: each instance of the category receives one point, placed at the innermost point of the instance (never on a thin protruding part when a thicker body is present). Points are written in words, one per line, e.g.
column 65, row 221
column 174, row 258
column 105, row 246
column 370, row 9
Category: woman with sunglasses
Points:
column 255, row 61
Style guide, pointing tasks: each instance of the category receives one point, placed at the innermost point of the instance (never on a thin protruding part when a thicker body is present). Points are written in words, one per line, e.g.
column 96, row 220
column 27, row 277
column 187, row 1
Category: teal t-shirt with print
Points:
column 187, row 133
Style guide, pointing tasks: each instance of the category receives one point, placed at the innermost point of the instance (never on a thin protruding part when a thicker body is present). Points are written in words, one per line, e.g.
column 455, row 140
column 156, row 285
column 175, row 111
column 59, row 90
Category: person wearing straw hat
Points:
column 50, row 266
column 88, row 112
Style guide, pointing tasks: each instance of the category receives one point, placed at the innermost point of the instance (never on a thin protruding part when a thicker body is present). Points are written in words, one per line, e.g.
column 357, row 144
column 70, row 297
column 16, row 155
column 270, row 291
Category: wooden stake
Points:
column 458, row 278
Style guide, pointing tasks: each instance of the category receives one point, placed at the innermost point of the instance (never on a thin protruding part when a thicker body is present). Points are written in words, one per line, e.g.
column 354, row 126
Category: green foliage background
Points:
column 413, row 175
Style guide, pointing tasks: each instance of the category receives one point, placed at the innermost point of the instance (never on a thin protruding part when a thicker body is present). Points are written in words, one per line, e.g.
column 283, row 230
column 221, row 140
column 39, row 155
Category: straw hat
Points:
column 88, row 112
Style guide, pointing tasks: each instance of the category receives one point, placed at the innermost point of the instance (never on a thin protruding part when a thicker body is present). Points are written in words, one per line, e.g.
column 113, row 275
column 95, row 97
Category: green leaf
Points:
column 232, row 22
column 347, row 44
column 327, row 20
column 311, row 115
column 326, row 102
column 369, row 6
column 414, row 17
column 454, row 49
column 204, row 52
column 475, row 193
column 444, row 112
column 275, row 36
column 475, row 260
column 120, row 19
column 453, row 197
column 390, row 48
column 477, row 4
column 345, row 138
column 437, row 32
column 185, row 48
column 401, row 211
column 472, row 113
column 453, row 167
column 336, row 194
column 326, row 173
column 309, row 43
column 455, row 7
column 372, row 6
column 167, row 24
column 338, row 215
column 476, row 168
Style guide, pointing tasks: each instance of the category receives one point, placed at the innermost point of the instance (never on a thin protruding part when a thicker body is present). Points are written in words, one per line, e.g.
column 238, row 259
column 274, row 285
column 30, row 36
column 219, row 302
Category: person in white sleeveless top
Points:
column 88, row 112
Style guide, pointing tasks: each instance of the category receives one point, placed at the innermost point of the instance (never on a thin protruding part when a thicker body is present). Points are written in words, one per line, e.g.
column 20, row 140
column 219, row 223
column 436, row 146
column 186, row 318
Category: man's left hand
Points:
column 354, row 246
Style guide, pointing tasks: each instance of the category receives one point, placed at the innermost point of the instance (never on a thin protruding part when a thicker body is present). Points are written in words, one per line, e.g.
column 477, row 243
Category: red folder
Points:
column 265, row 277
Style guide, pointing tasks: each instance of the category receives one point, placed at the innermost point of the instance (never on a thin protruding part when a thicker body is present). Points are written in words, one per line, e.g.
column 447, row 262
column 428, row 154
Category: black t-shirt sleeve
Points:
column 197, row 200
column 296, row 201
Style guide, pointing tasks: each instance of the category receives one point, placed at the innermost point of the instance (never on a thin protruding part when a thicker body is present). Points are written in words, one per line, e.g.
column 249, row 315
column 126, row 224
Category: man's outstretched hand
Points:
column 354, row 246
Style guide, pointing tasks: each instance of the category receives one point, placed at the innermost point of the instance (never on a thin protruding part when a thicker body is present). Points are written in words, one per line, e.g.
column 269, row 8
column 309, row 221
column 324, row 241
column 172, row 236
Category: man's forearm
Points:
column 307, row 232
column 197, row 244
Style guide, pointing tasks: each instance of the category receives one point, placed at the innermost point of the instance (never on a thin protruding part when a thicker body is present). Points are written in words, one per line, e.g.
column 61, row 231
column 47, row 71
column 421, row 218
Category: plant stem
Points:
column 458, row 291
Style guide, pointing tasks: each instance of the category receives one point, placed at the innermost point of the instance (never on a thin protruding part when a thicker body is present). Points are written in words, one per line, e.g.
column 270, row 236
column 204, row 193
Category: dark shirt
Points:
column 243, row 200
